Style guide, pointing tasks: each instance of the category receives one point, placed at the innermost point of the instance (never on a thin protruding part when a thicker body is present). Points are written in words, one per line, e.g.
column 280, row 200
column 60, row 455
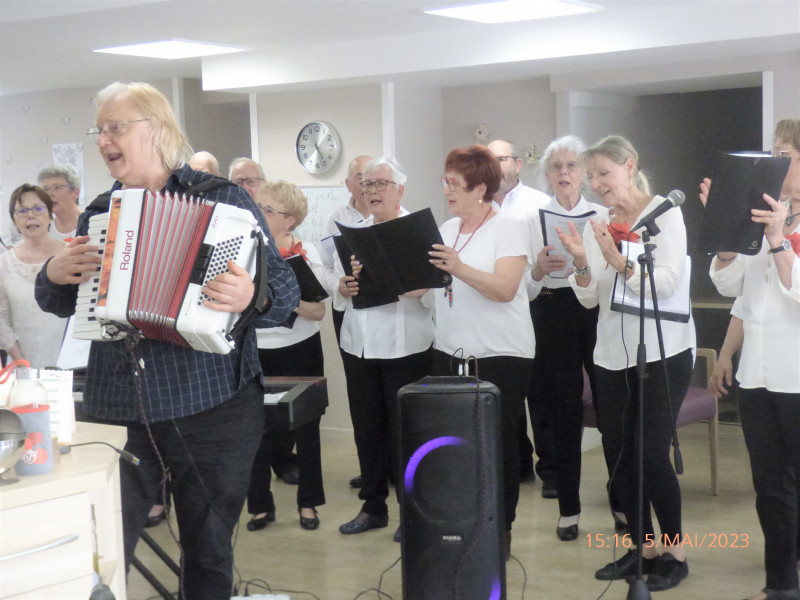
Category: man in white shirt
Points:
column 518, row 200
column 514, row 198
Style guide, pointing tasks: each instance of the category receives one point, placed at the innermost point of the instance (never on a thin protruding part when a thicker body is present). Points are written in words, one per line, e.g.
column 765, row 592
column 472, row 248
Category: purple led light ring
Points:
column 423, row 451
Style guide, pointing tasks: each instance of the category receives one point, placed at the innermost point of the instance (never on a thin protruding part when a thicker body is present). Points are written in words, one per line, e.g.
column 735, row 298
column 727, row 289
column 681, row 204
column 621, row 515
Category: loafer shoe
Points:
column 667, row 573
column 364, row 522
column 306, row 523
column 623, row 567
column 257, row 524
column 355, row 482
column 771, row 594
column 155, row 521
column 527, row 476
column 567, row 534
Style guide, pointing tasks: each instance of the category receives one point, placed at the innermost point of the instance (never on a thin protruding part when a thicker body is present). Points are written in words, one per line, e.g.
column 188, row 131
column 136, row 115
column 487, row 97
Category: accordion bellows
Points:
column 158, row 251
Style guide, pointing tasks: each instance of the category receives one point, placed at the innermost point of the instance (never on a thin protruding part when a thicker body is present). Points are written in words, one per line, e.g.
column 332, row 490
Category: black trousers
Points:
column 617, row 402
column 770, row 423
column 301, row 359
column 208, row 456
column 372, row 386
column 565, row 337
column 510, row 375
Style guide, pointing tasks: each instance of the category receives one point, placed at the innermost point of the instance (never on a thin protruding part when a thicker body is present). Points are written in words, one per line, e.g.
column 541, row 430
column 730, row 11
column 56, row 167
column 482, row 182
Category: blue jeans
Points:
column 208, row 455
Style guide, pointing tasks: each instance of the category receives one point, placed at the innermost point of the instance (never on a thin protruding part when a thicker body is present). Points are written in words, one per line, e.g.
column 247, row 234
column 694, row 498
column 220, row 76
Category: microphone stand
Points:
column 637, row 587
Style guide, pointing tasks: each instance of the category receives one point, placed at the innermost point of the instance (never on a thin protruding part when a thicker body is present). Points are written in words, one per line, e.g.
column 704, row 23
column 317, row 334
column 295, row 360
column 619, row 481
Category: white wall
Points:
column 523, row 112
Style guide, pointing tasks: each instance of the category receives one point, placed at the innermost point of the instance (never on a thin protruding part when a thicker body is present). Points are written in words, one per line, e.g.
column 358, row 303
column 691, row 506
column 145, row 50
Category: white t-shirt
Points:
column 479, row 326
column 770, row 314
column 618, row 333
column 281, row 337
column 393, row 330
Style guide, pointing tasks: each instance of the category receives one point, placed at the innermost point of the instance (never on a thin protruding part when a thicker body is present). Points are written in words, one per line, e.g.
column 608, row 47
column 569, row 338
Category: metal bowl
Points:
column 12, row 442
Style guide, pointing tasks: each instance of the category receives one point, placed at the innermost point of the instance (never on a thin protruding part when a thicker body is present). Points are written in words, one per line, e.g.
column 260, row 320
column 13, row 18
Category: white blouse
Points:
column 474, row 324
column 281, row 337
column 770, row 356
column 21, row 320
column 618, row 333
column 393, row 330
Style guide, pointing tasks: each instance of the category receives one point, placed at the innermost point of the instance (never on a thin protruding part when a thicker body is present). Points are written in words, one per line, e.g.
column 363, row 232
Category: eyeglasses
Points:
column 37, row 210
column 571, row 166
column 451, row 184
column 380, row 185
column 248, row 181
column 268, row 210
column 503, row 159
column 55, row 188
column 786, row 153
column 111, row 129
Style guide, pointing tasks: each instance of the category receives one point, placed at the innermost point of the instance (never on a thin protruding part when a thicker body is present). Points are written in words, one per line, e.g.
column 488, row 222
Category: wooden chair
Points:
column 698, row 405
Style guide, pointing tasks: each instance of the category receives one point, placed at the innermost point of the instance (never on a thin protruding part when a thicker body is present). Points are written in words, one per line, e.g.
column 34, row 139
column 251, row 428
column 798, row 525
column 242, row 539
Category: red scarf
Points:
column 794, row 240
column 294, row 250
column 621, row 231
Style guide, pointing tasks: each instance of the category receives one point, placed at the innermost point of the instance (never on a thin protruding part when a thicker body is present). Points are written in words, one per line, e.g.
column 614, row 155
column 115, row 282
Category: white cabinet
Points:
column 49, row 523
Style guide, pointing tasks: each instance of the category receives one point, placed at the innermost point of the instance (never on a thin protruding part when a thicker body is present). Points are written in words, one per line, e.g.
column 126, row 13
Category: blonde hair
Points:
column 617, row 149
column 168, row 140
column 788, row 131
column 294, row 201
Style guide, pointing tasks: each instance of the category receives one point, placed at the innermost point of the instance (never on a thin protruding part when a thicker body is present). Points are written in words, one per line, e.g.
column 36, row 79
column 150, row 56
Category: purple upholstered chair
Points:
column 698, row 405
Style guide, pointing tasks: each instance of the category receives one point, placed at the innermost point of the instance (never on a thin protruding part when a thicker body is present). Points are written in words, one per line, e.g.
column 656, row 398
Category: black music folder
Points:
column 394, row 256
column 311, row 289
column 739, row 182
column 370, row 293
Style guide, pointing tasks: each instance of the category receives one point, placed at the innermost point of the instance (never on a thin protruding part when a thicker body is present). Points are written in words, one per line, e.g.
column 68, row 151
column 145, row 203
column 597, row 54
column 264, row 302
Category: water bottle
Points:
column 27, row 389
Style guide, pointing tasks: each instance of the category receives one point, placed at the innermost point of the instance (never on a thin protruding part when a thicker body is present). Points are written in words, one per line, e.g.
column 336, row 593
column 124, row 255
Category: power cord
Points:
column 377, row 590
column 123, row 454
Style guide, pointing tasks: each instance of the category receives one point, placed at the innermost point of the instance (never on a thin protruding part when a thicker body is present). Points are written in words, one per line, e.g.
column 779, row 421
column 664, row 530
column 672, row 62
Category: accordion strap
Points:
column 259, row 304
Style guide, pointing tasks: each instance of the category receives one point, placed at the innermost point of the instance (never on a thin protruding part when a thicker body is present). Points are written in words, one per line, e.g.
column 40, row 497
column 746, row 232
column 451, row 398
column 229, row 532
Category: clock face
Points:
column 318, row 147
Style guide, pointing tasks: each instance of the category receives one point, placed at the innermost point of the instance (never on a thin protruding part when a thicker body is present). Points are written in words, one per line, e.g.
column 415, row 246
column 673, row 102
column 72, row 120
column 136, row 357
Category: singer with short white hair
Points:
column 613, row 172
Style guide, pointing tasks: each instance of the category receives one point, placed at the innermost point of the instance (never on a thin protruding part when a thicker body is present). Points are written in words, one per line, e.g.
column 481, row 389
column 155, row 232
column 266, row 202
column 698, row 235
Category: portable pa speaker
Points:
column 452, row 535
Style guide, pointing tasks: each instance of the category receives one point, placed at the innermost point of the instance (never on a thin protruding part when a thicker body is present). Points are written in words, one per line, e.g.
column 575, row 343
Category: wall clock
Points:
column 318, row 147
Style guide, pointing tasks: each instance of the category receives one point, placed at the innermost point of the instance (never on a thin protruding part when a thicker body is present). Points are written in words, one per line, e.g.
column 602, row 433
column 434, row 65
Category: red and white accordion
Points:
column 158, row 252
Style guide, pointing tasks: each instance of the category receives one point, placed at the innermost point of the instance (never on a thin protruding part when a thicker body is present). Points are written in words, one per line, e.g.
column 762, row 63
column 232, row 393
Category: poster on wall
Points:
column 71, row 154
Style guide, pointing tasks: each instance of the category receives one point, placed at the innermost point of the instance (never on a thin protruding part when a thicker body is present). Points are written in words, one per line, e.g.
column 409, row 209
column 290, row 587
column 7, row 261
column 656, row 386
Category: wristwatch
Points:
column 784, row 245
column 629, row 266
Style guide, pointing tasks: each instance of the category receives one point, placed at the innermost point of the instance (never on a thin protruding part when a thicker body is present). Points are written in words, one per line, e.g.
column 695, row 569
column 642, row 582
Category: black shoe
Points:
column 549, row 490
column 364, row 522
column 260, row 523
column 306, row 523
column 567, row 534
column 667, row 573
column 792, row 594
column 355, row 482
column 624, row 567
column 290, row 475
column 527, row 476
column 398, row 534
column 155, row 521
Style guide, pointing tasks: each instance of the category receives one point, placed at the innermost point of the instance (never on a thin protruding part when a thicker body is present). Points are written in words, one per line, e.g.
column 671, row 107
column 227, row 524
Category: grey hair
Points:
column 237, row 161
column 570, row 143
column 617, row 149
column 398, row 173
column 68, row 172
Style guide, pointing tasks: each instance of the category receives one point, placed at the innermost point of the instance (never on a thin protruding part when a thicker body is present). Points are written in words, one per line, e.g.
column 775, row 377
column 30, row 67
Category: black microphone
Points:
column 674, row 198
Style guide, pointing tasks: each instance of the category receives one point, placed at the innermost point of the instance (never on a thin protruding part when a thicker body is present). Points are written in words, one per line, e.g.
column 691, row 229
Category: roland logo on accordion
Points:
column 158, row 251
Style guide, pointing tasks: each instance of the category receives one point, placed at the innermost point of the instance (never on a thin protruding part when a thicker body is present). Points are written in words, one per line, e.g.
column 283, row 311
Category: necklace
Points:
column 483, row 220
column 790, row 218
column 448, row 290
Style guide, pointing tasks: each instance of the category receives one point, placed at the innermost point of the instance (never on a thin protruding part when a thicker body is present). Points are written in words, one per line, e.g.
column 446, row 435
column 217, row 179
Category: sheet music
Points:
column 674, row 308
column 550, row 220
